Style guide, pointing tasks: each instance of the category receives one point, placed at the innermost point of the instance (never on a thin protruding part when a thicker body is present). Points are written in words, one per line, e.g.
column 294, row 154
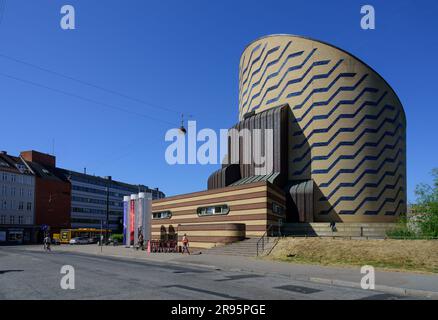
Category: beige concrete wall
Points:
column 348, row 129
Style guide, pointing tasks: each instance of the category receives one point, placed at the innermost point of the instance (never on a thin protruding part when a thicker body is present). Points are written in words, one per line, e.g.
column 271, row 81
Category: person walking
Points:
column 140, row 241
column 47, row 242
column 185, row 242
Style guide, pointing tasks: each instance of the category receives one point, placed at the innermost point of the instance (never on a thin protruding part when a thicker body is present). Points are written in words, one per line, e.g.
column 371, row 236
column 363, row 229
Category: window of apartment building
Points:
column 11, row 219
column 21, row 192
column 20, row 220
column 21, row 206
column 5, row 176
column 161, row 215
column 4, row 204
column 15, row 236
column 2, row 219
column 29, row 193
column 3, row 164
column 278, row 209
column 4, row 190
column 213, row 210
column 13, row 178
column 13, row 191
column 29, row 206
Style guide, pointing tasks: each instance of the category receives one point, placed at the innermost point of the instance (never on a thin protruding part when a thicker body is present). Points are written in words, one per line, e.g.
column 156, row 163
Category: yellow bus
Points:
column 67, row 234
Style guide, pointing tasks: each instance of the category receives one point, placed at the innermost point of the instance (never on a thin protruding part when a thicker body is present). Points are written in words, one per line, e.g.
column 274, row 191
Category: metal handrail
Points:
column 262, row 239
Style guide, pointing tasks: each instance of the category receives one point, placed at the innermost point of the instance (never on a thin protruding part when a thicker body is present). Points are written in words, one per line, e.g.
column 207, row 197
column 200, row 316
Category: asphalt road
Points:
column 36, row 275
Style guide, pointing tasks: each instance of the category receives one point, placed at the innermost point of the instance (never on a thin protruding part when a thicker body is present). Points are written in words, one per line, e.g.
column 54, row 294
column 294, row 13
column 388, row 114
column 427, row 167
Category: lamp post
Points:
column 109, row 178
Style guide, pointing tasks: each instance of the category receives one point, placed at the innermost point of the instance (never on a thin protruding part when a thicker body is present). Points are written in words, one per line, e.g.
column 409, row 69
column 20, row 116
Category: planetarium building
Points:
column 338, row 153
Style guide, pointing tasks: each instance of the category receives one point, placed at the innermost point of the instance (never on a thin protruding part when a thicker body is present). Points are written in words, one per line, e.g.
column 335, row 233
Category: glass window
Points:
column 15, row 236
column 213, row 210
column 161, row 215
column 29, row 206
column 278, row 209
column 11, row 219
column 3, row 164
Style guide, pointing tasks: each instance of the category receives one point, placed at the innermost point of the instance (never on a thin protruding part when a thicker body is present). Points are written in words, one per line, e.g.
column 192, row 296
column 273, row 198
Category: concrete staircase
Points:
column 346, row 230
column 247, row 247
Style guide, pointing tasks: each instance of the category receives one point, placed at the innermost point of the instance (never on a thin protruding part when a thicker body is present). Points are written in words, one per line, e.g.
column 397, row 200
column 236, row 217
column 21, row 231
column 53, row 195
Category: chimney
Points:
column 39, row 157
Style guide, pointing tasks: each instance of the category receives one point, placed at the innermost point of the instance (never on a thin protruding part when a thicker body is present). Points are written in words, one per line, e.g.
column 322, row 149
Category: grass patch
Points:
column 400, row 255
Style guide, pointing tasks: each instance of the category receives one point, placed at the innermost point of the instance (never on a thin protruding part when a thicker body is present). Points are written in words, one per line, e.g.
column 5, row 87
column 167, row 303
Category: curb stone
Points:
column 388, row 289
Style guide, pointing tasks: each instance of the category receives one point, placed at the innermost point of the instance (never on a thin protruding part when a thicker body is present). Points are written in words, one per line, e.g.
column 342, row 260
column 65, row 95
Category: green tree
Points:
column 427, row 205
column 426, row 211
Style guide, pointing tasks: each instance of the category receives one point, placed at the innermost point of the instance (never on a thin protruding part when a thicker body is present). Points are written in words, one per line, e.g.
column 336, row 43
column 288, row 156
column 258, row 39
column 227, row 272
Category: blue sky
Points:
column 183, row 56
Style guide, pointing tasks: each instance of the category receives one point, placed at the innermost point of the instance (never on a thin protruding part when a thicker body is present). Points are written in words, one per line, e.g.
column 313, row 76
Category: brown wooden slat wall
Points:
column 302, row 195
column 275, row 119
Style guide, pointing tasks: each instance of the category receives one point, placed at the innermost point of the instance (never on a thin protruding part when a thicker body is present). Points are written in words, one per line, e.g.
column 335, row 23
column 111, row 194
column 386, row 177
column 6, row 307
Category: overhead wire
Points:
column 87, row 83
column 104, row 104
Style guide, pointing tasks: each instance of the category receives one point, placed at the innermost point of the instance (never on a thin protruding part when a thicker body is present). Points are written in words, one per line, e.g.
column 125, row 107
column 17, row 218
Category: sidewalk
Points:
column 401, row 283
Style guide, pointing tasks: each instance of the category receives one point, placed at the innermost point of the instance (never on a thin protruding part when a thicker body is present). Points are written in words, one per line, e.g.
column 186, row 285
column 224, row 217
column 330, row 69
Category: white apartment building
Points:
column 17, row 199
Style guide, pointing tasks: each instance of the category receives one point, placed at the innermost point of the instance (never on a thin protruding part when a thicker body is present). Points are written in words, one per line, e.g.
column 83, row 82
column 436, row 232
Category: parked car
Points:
column 93, row 240
column 79, row 240
column 108, row 242
column 56, row 241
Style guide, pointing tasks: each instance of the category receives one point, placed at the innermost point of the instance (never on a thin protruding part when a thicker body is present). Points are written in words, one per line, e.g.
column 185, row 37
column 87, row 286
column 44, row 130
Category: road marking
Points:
column 218, row 294
column 298, row 289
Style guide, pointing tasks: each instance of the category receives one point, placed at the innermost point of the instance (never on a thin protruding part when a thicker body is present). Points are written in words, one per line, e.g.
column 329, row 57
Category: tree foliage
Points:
column 425, row 212
column 427, row 206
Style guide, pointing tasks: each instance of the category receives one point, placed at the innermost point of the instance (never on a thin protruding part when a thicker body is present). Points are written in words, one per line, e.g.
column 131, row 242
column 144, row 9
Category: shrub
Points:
column 401, row 230
column 118, row 237
column 429, row 224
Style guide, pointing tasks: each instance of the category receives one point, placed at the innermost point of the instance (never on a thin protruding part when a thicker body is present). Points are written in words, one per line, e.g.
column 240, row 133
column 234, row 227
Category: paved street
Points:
column 34, row 274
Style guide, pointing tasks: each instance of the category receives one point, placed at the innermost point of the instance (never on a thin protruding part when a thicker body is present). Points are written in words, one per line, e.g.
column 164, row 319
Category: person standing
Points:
column 185, row 242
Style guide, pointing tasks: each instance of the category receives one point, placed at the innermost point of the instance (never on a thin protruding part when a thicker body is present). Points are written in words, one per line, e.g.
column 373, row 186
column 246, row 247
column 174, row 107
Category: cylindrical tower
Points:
column 145, row 205
column 126, row 214
column 132, row 214
column 347, row 128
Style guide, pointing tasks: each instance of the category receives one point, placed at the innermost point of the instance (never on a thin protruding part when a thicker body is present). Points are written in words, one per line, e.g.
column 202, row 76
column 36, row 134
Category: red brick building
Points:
column 52, row 191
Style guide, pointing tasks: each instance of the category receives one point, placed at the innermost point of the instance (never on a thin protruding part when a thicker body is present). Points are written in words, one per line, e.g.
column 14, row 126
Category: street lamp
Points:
column 109, row 178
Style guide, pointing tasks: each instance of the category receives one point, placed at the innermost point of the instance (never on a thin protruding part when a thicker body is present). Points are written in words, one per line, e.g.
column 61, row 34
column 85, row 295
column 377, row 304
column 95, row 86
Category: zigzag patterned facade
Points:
column 347, row 127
